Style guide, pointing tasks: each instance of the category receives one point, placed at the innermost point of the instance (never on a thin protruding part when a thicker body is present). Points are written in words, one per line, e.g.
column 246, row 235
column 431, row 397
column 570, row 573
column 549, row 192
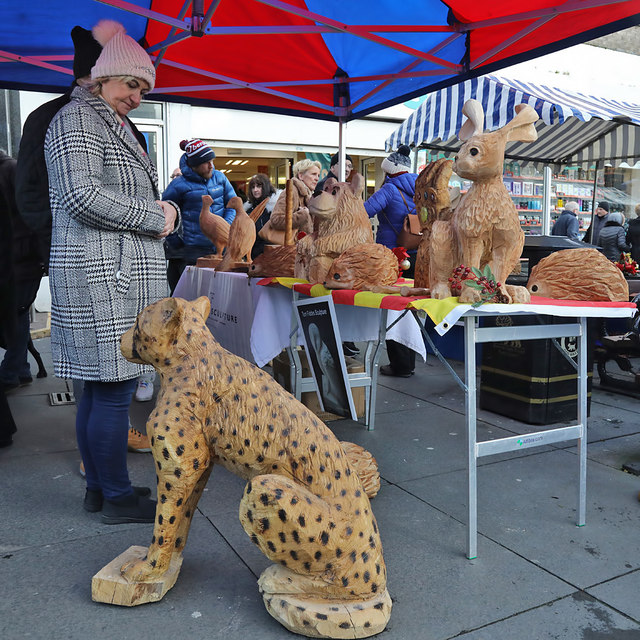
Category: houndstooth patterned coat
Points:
column 106, row 263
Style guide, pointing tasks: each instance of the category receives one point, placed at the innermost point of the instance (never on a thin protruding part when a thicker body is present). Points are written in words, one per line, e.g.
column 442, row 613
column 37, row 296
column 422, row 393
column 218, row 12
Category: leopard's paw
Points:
column 137, row 570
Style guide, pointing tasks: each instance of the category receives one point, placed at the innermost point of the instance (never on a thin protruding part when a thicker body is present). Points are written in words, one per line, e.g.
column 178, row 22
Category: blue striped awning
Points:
column 573, row 128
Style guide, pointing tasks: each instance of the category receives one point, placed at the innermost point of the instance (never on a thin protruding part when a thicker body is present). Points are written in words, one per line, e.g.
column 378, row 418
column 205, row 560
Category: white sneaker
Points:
column 144, row 391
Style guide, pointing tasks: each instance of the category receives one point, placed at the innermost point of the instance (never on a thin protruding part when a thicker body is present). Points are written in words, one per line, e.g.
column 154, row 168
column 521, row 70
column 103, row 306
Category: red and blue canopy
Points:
column 330, row 59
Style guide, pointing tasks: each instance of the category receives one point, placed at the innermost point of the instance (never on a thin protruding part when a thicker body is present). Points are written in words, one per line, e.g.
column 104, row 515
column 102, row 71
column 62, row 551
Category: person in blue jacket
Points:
column 199, row 177
column 391, row 203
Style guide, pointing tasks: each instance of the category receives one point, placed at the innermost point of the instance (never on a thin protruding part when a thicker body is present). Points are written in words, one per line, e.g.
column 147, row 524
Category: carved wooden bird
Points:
column 214, row 227
column 242, row 234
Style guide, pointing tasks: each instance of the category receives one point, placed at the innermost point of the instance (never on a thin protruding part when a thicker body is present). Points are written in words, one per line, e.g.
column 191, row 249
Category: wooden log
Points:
column 109, row 586
column 288, row 229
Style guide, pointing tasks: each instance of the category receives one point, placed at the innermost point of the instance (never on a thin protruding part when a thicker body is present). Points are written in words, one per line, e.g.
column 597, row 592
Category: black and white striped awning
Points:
column 574, row 129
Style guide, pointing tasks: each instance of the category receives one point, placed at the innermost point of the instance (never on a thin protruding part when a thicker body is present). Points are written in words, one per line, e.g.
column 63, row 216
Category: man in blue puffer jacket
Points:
column 199, row 177
column 391, row 203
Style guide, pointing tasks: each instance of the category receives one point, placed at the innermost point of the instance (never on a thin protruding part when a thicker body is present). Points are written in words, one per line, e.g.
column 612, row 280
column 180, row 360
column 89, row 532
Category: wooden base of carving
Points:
column 109, row 586
column 317, row 617
column 213, row 262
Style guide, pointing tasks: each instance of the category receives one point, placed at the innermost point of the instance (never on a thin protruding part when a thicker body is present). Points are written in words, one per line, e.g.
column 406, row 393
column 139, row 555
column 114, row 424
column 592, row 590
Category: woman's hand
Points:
column 170, row 215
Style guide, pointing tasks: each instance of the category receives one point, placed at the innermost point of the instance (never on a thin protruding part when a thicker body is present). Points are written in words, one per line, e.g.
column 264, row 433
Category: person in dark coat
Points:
column 391, row 203
column 259, row 188
column 32, row 182
column 633, row 235
column 334, row 171
column 612, row 237
column 199, row 177
column 7, row 283
column 28, row 268
column 593, row 232
column 567, row 223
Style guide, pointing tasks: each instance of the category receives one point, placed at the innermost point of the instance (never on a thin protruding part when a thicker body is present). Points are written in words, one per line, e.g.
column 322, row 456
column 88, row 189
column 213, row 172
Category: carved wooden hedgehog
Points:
column 304, row 505
column 275, row 261
column 363, row 267
column 578, row 274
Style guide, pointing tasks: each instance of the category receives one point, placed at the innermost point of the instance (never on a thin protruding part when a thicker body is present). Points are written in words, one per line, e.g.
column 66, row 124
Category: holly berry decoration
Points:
column 483, row 281
column 627, row 265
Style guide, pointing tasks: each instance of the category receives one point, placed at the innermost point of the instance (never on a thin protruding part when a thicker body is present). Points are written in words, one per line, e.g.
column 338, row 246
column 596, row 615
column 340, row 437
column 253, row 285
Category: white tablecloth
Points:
column 254, row 321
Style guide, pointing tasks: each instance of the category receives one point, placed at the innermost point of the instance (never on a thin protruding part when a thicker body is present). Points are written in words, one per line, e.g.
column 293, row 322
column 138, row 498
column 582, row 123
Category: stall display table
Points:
column 274, row 304
column 258, row 322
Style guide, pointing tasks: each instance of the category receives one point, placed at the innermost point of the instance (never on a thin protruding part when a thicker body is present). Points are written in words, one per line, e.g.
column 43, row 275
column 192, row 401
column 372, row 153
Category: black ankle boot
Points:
column 132, row 508
column 93, row 499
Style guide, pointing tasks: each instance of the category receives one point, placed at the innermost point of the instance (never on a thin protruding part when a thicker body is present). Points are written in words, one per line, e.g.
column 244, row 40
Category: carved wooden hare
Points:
column 484, row 228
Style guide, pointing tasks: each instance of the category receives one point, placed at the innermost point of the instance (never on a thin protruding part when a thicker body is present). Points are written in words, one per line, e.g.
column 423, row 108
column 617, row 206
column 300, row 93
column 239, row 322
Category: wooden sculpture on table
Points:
column 304, row 504
column 218, row 230
column 340, row 222
column 578, row 274
column 368, row 267
column 433, row 202
column 213, row 226
column 279, row 260
column 276, row 260
column 242, row 237
column 484, row 228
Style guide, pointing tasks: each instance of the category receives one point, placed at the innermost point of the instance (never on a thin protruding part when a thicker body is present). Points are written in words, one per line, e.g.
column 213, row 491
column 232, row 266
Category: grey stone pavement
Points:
column 537, row 575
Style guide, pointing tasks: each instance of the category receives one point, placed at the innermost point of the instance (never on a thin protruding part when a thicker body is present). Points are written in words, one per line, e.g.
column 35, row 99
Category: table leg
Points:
column 371, row 369
column 470, row 410
column 582, row 420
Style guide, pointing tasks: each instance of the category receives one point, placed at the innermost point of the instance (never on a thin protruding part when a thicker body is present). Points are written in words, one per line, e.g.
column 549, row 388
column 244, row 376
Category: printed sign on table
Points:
column 231, row 313
column 321, row 337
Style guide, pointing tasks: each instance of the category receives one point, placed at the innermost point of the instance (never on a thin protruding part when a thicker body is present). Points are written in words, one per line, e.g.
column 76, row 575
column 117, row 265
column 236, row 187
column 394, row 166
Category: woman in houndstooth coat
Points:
column 107, row 262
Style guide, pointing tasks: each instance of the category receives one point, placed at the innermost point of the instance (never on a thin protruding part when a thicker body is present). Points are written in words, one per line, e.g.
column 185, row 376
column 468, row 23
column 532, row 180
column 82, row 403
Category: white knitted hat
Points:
column 398, row 162
column 121, row 54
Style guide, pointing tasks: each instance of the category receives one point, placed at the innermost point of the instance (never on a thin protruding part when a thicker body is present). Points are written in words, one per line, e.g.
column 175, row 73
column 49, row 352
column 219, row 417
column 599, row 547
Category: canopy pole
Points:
column 599, row 164
column 341, row 150
column 546, row 201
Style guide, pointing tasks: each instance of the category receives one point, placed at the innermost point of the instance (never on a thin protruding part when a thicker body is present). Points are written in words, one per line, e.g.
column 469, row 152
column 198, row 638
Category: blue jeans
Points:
column 102, row 426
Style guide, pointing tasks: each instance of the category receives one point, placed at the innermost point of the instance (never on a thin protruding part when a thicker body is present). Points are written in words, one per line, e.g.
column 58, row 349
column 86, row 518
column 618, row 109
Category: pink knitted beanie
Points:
column 121, row 55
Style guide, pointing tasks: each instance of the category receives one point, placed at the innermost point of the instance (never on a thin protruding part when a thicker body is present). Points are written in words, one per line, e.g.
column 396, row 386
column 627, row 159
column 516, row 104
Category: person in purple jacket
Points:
column 391, row 203
column 199, row 177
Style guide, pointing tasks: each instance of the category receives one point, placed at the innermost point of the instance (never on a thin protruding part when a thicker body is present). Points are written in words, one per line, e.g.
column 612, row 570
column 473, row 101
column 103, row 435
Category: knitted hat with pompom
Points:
column 121, row 55
column 398, row 162
column 197, row 152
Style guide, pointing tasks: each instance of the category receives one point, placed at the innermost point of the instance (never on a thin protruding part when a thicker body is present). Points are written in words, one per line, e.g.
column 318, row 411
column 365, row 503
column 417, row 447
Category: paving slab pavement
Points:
column 537, row 575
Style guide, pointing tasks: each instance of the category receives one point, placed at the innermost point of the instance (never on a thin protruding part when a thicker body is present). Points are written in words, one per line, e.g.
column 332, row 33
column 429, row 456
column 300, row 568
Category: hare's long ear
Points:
column 522, row 128
column 475, row 123
column 357, row 183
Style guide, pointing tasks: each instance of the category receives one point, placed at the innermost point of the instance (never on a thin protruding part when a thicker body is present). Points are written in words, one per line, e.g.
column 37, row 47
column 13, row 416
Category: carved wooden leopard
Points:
column 304, row 504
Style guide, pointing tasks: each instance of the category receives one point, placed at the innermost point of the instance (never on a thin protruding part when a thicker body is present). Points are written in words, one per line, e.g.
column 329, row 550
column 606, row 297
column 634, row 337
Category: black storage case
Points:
column 530, row 380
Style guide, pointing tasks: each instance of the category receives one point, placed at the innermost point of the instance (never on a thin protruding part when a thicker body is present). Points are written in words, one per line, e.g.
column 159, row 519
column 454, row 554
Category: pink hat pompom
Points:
column 121, row 55
column 106, row 29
